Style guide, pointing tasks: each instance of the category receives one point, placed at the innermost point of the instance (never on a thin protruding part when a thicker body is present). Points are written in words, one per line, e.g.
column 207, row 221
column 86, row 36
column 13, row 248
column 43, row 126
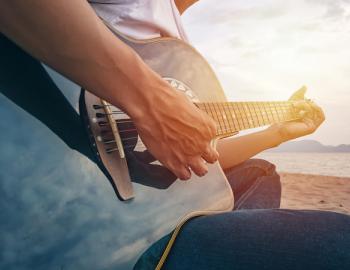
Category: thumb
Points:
column 299, row 95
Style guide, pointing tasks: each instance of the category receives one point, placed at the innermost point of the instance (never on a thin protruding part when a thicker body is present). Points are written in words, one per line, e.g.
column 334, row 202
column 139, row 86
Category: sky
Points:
column 266, row 50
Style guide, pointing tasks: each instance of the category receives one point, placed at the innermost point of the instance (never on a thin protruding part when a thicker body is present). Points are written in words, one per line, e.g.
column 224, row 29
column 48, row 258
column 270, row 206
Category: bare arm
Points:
column 68, row 36
column 235, row 150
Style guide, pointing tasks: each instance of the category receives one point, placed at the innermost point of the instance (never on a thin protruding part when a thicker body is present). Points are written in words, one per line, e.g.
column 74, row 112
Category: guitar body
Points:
column 58, row 208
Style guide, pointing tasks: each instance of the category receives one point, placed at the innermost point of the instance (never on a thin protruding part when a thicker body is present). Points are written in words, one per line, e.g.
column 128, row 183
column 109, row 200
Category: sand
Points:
column 301, row 191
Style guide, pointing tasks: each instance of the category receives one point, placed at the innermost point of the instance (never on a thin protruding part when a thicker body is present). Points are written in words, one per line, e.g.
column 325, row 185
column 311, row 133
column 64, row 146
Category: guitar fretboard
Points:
column 232, row 117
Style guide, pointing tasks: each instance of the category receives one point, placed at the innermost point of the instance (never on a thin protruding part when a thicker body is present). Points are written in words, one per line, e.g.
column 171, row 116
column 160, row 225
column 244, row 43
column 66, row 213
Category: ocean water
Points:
column 332, row 164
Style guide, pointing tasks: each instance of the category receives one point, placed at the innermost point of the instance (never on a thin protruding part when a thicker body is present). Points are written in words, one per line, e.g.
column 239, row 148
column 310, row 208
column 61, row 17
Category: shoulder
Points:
column 183, row 5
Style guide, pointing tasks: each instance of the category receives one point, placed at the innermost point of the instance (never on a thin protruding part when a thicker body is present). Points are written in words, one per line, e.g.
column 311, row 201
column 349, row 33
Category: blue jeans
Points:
column 254, row 236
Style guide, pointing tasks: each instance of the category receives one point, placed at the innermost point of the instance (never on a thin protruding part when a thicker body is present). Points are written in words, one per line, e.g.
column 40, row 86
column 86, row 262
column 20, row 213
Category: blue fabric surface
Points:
column 255, row 236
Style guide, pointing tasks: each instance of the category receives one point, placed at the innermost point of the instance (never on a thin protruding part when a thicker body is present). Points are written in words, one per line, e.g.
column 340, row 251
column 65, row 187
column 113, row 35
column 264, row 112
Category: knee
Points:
column 254, row 168
column 267, row 167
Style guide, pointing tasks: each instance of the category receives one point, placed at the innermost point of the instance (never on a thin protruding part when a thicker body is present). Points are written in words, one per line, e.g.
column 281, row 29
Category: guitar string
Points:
column 278, row 107
column 221, row 130
column 272, row 109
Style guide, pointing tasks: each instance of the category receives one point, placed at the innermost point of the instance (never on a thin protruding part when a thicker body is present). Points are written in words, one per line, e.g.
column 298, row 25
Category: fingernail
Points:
column 185, row 176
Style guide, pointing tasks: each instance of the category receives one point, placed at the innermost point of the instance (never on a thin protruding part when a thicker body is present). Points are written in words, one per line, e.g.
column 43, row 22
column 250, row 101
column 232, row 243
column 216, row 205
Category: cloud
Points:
column 334, row 9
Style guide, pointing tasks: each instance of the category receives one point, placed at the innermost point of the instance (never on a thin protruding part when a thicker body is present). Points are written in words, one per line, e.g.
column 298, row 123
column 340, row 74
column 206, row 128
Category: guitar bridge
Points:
column 106, row 143
column 114, row 127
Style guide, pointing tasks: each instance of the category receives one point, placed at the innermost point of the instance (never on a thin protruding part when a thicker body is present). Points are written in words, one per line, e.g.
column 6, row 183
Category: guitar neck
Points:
column 232, row 117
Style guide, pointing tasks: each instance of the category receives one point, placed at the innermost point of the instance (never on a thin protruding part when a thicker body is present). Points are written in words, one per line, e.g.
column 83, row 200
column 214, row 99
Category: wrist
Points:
column 152, row 95
column 138, row 89
column 276, row 135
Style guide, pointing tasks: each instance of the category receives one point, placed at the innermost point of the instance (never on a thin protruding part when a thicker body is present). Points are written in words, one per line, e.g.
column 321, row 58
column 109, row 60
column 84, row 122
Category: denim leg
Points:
column 272, row 239
column 255, row 184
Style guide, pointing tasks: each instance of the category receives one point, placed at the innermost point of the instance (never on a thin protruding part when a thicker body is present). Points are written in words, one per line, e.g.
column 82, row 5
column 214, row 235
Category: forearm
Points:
column 235, row 150
column 68, row 36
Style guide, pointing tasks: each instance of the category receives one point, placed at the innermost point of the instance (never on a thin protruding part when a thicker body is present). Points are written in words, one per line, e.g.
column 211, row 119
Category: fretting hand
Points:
column 312, row 117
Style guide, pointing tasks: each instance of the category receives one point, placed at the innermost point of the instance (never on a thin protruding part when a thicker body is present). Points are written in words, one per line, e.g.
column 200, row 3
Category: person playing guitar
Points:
column 179, row 135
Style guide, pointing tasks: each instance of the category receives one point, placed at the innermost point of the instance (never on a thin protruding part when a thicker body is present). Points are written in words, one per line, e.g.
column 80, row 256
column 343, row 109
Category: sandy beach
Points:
column 302, row 191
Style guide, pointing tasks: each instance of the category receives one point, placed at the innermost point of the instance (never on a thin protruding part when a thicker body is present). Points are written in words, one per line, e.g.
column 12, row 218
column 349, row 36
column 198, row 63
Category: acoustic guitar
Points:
column 58, row 211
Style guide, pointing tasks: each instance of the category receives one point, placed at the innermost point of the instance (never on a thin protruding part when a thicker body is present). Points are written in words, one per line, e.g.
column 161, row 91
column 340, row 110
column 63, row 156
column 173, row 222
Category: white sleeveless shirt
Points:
column 141, row 19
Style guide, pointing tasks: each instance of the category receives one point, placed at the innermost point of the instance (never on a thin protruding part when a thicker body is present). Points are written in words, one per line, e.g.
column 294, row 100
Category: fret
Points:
column 241, row 115
column 283, row 112
column 226, row 128
column 219, row 118
column 263, row 113
column 214, row 116
column 248, row 114
column 274, row 111
column 244, row 115
column 261, row 121
column 228, row 123
column 279, row 115
column 235, row 116
column 269, row 113
column 232, row 116
column 246, row 118
column 279, row 111
column 229, row 118
column 211, row 112
column 254, row 114
column 224, row 116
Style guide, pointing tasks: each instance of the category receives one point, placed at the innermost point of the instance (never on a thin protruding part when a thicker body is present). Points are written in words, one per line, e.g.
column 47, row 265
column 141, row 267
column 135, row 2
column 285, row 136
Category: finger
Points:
column 317, row 116
column 198, row 166
column 179, row 169
column 210, row 154
column 302, row 105
column 304, row 109
column 319, row 112
column 184, row 173
column 302, row 113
